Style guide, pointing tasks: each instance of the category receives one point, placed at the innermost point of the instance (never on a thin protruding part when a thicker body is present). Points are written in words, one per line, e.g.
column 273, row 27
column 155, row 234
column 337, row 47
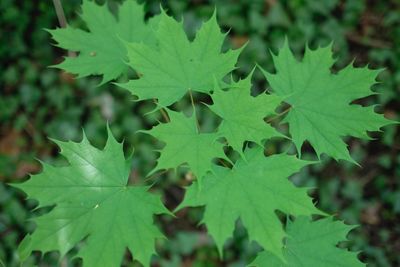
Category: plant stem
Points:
column 62, row 20
column 279, row 115
column 194, row 110
column 60, row 13
column 223, row 163
column 165, row 115
column 163, row 112
column 156, row 175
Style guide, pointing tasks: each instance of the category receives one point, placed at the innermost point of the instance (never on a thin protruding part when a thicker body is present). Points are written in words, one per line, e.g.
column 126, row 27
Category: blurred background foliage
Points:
column 39, row 102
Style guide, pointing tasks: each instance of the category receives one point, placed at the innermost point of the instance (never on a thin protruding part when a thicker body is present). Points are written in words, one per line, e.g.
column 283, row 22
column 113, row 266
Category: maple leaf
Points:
column 252, row 190
column 312, row 243
column 184, row 144
column 93, row 202
column 243, row 115
column 101, row 50
column 321, row 110
column 177, row 65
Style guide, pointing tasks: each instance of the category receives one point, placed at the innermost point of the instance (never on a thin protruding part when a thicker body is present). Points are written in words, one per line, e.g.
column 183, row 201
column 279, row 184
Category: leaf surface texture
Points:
column 252, row 190
column 92, row 202
column 321, row 101
column 312, row 243
column 243, row 115
column 101, row 49
column 179, row 65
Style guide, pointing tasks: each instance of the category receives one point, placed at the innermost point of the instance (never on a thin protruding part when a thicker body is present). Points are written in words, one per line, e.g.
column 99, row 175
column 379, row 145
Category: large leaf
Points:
column 243, row 115
column 252, row 190
column 312, row 243
column 185, row 144
column 93, row 203
column 101, row 50
column 179, row 65
column 321, row 101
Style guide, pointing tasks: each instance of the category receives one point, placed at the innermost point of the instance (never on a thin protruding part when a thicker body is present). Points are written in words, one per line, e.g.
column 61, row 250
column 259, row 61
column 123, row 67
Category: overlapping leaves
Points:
column 91, row 199
column 101, row 50
column 252, row 190
column 178, row 65
column 93, row 202
column 185, row 144
column 312, row 243
column 243, row 115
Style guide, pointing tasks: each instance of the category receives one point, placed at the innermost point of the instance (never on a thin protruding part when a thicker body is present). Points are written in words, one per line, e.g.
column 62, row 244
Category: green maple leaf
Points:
column 101, row 50
column 321, row 110
column 243, row 115
column 184, row 144
column 252, row 190
column 312, row 243
column 93, row 203
column 179, row 65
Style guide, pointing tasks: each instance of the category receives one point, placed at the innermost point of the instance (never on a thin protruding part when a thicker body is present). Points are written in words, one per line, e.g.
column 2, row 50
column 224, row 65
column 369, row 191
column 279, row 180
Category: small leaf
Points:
column 24, row 248
column 184, row 144
column 243, row 115
column 101, row 50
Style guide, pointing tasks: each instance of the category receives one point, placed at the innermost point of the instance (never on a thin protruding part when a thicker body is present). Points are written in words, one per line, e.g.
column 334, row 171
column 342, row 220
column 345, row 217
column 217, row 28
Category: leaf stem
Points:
column 223, row 163
column 165, row 115
column 279, row 115
column 194, row 110
column 62, row 20
column 154, row 176
column 163, row 112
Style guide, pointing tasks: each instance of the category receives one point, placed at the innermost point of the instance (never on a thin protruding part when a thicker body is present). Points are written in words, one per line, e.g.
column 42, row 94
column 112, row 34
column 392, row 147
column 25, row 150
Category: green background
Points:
column 38, row 102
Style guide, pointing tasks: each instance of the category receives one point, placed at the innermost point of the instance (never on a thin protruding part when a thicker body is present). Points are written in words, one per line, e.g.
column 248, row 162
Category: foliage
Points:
column 93, row 202
column 101, row 50
column 252, row 190
column 312, row 243
column 177, row 65
column 243, row 115
column 36, row 102
column 320, row 101
column 184, row 144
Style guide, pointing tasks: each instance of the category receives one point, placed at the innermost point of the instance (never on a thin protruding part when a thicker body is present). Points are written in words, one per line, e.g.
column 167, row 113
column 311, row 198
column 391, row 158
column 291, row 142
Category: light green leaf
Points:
column 243, row 115
column 252, row 190
column 24, row 249
column 101, row 50
column 184, row 144
column 321, row 110
column 312, row 243
column 93, row 204
column 179, row 65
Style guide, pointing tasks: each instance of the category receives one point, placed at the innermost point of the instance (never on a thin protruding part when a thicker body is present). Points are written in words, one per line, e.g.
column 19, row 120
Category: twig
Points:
column 62, row 20
column 369, row 42
column 60, row 13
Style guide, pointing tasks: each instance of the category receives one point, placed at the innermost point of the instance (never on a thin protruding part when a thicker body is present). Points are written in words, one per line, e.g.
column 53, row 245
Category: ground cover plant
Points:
column 94, row 205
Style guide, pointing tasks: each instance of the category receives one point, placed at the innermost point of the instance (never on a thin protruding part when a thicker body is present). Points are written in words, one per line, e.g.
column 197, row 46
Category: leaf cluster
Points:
column 91, row 198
